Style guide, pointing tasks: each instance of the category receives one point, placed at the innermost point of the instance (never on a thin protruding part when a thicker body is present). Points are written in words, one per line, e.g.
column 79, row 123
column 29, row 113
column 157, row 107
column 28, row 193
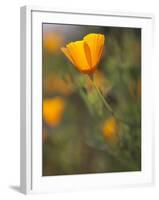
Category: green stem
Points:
column 102, row 98
column 108, row 107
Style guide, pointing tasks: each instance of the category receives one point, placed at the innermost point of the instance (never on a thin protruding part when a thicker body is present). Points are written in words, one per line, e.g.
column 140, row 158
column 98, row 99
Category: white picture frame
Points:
column 31, row 101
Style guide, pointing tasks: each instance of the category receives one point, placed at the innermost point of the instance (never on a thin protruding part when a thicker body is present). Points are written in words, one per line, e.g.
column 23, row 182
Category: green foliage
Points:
column 77, row 145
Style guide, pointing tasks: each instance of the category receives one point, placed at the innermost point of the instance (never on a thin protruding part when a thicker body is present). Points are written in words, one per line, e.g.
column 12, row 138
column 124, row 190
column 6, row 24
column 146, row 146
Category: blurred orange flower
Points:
column 135, row 89
column 110, row 128
column 136, row 53
column 53, row 110
column 54, row 83
column 139, row 88
column 85, row 54
column 52, row 42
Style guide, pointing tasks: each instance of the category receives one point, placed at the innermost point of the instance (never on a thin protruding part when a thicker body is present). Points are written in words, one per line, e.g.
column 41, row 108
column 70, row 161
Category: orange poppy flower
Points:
column 85, row 54
column 53, row 111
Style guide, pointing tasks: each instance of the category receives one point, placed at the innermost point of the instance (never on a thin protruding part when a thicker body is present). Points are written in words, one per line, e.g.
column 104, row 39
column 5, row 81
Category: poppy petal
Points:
column 67, row 54
column 96, row 44
column 78, row 54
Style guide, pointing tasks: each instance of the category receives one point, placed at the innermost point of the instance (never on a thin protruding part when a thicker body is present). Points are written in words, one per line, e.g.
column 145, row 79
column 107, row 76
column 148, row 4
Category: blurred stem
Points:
column 106, row 104
column 102, row 98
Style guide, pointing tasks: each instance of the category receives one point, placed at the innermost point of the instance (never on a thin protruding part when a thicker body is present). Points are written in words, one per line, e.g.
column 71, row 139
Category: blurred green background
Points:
column 79, row 135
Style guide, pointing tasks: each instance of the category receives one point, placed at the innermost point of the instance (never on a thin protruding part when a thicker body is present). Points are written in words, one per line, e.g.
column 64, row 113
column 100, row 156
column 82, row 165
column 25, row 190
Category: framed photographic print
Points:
column 86, row 100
